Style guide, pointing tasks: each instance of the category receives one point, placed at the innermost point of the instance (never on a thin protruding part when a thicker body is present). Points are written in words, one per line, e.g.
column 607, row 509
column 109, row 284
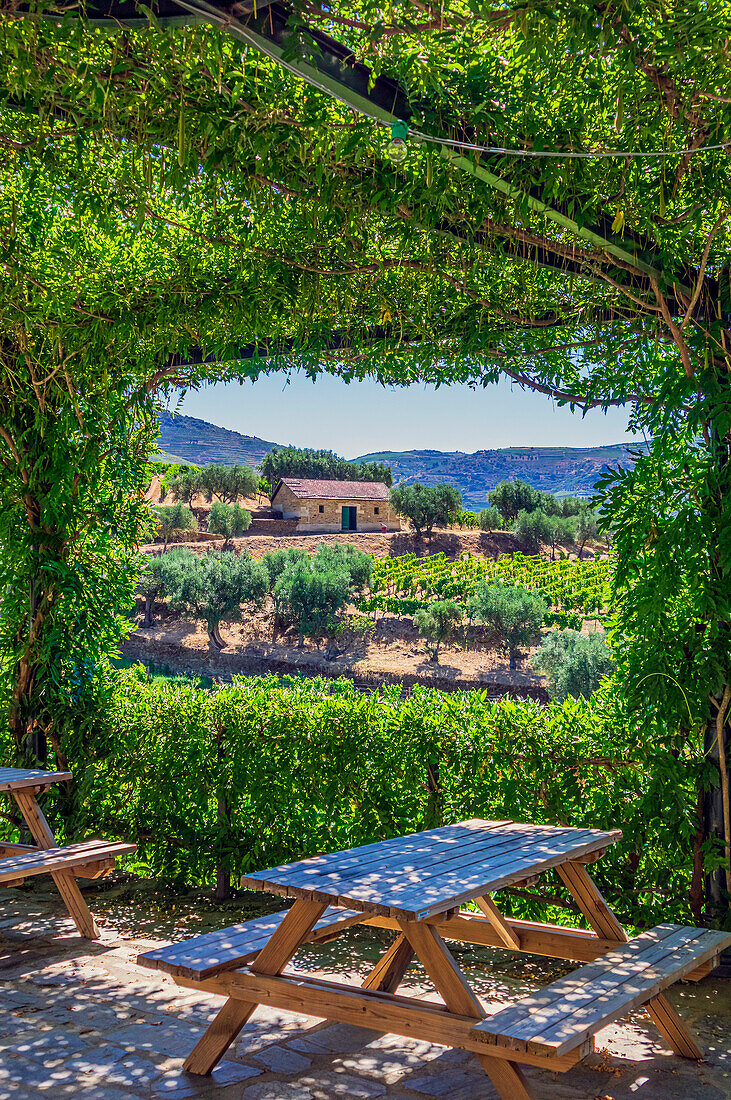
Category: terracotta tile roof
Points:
column 334, row 490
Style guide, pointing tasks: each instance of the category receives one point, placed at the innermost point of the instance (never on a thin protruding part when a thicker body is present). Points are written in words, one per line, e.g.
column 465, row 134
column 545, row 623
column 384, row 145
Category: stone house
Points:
column 334, row 505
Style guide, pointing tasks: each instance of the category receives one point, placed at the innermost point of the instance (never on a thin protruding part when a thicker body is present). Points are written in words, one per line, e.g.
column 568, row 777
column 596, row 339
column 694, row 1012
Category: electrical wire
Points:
column 563, row 155
column 233, row 27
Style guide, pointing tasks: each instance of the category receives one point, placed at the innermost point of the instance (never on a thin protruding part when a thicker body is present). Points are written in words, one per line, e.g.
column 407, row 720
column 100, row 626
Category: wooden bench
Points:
column 566, row 1013
column 87, row 859
column 204, row 956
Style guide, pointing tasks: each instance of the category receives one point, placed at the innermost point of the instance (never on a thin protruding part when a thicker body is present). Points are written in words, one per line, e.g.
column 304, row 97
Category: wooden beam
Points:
column 221, row 1032
column 388, row 972
column 506, row 933
column 369, row 1008
column 507, row 1076
column 64, row 880
column 552, row 940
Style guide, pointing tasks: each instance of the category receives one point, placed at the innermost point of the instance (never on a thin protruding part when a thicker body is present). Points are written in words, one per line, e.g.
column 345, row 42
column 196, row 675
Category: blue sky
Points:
column 362, row 417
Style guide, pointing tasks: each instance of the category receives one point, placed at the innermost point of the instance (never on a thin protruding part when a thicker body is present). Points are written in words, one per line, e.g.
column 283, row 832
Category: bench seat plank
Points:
column 228, row 948
column 43, row 861
column 567, row 1012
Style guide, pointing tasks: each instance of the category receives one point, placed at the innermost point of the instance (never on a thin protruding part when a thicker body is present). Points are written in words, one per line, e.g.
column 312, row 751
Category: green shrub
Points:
column 533, row 528
column 573, row 663
column 229, row 520
column 490, row 519
column 438, row 622
column 276, row 562
column 512, row 612
column 315, row 765
column 173, row 519
column 426, row 507
column 309, row 594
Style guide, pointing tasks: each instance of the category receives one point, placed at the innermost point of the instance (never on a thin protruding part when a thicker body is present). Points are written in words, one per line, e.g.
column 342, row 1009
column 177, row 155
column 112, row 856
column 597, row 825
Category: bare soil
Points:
column 394, row 654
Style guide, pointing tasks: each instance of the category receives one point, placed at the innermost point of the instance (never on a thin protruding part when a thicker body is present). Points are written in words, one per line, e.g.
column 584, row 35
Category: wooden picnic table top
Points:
column 16, row 779
column 418, row 876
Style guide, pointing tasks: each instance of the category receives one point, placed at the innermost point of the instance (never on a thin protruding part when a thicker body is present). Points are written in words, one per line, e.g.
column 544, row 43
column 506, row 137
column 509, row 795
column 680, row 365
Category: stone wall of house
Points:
column 318, row 514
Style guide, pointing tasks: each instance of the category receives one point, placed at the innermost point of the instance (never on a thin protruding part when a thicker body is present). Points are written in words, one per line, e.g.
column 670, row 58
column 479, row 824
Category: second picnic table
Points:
column 415, row 885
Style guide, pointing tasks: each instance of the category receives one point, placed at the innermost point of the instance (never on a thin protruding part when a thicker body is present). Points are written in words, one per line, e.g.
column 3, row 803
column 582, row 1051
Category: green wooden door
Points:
column 349, row 518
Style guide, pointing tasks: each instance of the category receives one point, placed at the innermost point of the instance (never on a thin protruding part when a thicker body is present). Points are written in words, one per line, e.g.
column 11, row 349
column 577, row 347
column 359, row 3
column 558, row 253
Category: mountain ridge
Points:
column 554, row 469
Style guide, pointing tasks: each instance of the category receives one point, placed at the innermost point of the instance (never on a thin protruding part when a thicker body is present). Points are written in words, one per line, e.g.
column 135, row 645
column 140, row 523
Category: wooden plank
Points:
column 576, row 944
column 228, row 948
column 8, row 849
column 339, row 874
column 71, row 856
column 383, row 849
column 388, row 972
column 672, row 1027
column 274, row 956
column 590, row 901
column 534, row 1006
column 412, row 858
column 449, row 981
column 385, row 1012
column 506, row 933
column 392, row 897
column 18, row 779
column 63, row 879
column 573, row 1008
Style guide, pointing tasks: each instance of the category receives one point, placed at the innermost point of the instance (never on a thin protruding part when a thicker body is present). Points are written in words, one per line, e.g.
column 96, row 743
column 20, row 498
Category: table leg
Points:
column 388, row 972
column 603, row 921
column 507, row 1077
column 65, row 881
column 272, row 959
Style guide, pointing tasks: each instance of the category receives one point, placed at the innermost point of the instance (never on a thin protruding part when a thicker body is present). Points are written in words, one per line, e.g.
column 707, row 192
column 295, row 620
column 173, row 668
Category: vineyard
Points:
column 573, row 589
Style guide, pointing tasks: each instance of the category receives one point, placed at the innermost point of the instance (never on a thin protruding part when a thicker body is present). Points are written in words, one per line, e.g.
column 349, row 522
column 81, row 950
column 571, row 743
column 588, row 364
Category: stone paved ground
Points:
column 82, row 1020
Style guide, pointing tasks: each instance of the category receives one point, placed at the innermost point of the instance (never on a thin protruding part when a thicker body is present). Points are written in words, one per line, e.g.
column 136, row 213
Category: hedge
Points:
column 263, row 772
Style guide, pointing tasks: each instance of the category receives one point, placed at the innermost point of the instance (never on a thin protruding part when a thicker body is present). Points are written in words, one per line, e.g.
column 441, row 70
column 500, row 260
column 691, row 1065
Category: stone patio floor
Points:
column 81, row 1019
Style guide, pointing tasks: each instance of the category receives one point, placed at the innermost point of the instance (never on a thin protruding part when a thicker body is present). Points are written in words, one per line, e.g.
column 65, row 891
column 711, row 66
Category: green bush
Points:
column 490, row 519
column 512, row 612
column 438, row 622
column 173, row 519
column 573, row 663
column 229, row 520
column 308, row 595
column 314, row 765
column 533, row 528
column 426, row 506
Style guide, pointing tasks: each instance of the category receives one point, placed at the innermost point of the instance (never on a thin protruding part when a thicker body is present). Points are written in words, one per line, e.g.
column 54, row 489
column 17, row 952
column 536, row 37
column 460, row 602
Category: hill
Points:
column 199, row 442
column 556, row 469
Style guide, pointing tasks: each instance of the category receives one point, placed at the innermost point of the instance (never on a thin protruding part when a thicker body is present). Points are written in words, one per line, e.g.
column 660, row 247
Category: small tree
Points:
column 561, row 532
column 426, row 507
column 573, row 663
column 512, row 497
column 229, row 520
column 173, row 519
column 213, row 588
column 264, row 488
column 533, row 528
column 309, row 594
column 357, row 563
column 276, row 561
column 490, row 519
column 185, row 485
column 437, row 622
column 512, row 612
column 151, row 585
column 587, row 527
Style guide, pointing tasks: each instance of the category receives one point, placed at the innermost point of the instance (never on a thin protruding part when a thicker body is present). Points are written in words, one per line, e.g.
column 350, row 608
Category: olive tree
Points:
column 437, row 622
column 214, row 587
column 512, row 612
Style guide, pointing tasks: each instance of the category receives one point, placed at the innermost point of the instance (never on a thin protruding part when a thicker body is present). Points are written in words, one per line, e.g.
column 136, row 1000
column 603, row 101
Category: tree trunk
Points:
column 215, row 641
column 513, row 663
column 148, row 620
column 716, row 812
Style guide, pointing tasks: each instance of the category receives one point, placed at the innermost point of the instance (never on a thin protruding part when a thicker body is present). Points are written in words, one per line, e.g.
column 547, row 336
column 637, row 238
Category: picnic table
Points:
column 89, row 859
column 416, row 886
